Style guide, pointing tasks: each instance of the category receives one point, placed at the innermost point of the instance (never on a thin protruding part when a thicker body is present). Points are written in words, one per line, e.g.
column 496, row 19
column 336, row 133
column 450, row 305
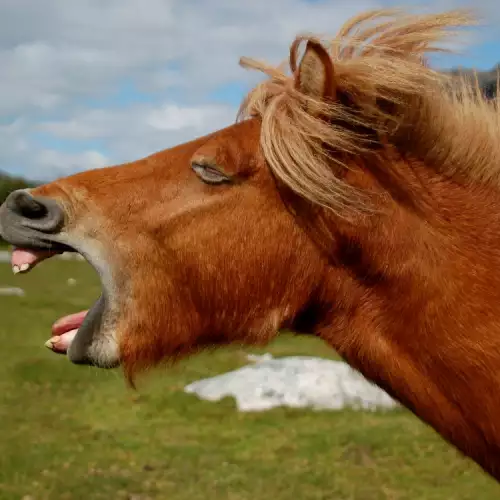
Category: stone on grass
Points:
column 12, row 290
column 294, row 382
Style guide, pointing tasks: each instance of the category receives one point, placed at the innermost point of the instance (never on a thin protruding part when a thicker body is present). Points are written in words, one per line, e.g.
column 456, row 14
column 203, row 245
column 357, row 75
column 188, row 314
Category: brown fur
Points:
column 363, row 207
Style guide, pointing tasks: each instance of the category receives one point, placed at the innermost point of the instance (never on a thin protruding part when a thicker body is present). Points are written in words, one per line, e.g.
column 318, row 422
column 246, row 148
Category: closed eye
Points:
column 210, row 174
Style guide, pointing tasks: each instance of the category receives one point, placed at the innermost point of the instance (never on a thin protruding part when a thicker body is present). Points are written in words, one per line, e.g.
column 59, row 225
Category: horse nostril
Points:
column 42, row 214
column 23, row 204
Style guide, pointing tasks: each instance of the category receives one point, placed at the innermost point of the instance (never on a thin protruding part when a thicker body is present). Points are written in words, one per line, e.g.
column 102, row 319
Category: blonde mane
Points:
column 393, row 101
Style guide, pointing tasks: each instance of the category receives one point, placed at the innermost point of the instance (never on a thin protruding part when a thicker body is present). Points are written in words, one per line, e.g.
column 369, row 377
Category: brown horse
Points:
column 357, row 199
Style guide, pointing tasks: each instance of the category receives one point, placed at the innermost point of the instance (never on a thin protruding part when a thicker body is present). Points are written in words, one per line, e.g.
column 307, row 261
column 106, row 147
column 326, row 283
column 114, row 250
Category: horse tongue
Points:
column 67, row 323
column 23, row 259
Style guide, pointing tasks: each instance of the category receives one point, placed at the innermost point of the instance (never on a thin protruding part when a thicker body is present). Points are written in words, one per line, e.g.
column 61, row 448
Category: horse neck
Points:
column 417, row 311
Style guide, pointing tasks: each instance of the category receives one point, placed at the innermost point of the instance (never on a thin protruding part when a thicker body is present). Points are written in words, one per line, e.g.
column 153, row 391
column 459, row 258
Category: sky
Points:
column 92, row 83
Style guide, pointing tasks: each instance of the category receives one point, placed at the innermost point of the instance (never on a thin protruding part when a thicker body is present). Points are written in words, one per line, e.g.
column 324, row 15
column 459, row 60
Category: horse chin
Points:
column 95, row 340
column 87, row 337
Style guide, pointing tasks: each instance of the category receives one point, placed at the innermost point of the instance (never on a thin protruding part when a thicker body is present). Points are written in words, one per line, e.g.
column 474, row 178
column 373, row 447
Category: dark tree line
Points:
column 488, row 80
column 9, row 184
column 490, row 89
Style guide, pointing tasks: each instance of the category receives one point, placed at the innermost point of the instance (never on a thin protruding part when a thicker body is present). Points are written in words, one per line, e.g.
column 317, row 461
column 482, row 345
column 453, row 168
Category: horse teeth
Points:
column 21, row 269
column 52, row 342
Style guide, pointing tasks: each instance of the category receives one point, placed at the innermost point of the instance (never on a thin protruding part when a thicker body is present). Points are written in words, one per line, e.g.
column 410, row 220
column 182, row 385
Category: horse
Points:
column 356, row 198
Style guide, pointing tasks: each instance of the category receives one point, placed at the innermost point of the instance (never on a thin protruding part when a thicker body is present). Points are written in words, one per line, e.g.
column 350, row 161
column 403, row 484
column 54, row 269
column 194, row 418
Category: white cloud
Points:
column 139, row 120
column 68, row 49
column 172, row 117
column 57, row 56
column 139, row 130
column 66, row 163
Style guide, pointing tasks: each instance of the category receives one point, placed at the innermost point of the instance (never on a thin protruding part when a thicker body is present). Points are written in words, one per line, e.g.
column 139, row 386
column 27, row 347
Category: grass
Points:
column 72, row 432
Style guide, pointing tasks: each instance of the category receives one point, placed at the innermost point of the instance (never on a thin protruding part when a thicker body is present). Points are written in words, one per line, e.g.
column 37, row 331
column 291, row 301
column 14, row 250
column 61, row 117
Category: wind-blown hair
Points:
column 387, row 98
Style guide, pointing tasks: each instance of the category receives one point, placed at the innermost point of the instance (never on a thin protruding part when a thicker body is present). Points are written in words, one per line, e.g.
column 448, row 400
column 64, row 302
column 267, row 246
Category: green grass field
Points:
column 70, row 432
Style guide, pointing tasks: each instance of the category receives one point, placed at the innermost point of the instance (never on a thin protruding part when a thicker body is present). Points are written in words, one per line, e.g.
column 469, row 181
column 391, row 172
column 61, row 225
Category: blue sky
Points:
column 99, row 82
column 483, row 55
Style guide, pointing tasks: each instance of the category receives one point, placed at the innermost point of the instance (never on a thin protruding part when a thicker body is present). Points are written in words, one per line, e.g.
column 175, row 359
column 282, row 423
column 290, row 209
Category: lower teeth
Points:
column 61, row 343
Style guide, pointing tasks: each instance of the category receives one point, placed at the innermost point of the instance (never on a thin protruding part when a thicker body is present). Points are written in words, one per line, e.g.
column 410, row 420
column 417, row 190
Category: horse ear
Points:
column 315, row 75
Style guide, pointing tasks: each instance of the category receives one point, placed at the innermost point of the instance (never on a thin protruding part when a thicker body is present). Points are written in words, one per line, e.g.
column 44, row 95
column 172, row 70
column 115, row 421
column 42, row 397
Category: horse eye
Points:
column 209, row 174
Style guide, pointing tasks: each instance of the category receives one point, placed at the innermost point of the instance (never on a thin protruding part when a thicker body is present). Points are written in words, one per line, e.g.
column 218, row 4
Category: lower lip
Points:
column 60, row 343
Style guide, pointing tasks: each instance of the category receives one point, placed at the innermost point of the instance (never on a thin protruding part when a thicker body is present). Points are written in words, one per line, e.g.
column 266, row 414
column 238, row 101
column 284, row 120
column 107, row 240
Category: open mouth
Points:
column 64, row 329
column 33, row 224
column 79, row 335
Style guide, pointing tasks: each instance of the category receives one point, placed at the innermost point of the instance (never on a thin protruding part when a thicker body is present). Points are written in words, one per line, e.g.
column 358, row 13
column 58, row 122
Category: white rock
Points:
column 295, row 382
column 255, row 358
column 12, row 290
column 70, row 256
